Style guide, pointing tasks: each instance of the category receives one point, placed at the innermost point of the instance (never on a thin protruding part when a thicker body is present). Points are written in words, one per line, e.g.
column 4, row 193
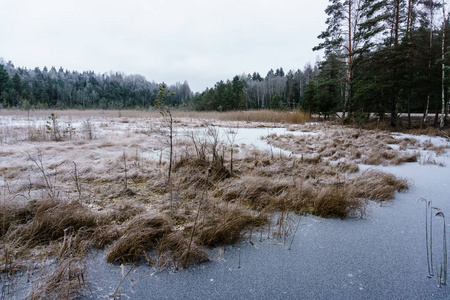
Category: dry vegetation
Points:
column 347, row 144
column 105, row 187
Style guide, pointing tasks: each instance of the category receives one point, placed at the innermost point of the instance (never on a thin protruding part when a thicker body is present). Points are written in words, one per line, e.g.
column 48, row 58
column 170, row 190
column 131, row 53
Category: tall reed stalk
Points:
column 431, row 236
column 428, row 237
column 444, row 247
column 196, row 219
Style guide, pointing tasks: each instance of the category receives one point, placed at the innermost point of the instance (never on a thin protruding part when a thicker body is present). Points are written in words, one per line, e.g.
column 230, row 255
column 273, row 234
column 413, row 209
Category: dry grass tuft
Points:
column 264, row 116
column 139, row 235
column 347, row 167
column 173, row 249
column 335, row 201
column 406, row 158
column 66, row 281
column 255, row 190
column 154, row 233
column 377, row 185
column 13, row 214
column 51, row 219
column 191, row 171
column 224, row 225
column 347, row 144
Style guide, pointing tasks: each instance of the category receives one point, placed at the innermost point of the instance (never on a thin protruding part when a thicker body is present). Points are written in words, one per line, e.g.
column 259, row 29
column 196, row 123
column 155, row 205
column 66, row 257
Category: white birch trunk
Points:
column 443, row 65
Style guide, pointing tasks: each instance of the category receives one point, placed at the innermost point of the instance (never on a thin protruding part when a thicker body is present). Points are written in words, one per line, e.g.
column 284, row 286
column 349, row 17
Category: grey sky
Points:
column 199, row 41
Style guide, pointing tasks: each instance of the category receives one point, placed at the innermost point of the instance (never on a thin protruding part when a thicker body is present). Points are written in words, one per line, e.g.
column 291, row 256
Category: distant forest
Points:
column 24, row 88
column 388, row 57
column 276, row 90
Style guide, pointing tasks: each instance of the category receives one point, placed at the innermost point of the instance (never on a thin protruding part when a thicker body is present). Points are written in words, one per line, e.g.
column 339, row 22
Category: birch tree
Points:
column 444, row 18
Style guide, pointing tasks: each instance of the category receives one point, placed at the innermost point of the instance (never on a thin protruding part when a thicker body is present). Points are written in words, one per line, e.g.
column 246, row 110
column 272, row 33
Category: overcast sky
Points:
column 201, row 41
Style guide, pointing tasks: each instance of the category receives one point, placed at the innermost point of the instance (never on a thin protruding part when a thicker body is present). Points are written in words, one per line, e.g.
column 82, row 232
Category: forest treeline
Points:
column 276, row 90
column 383, row 56
column 24, row 88
column 388, row 57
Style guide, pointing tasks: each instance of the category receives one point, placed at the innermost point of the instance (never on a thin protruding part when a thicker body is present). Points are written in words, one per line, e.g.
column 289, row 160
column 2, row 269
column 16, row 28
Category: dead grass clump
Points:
column 138, row 236
column 256, row 190
column 314, row 159
column 265, row 116
column 320, row 198
column 192, row 171
column 378, row 156
column 407, row 158
column 334, row 195
column 347, row 167
column 173, row 250
column 51, row 218
column 66, row 281
column 360, row 146
column 225, row 224
column 440, row 150
column 184, row 163
column 429, row 131
column 335, row 202
column 125, row 211
column 429, row 160
column 377, row 185
column 105, row 235
column 13, row 214
column 298, row 198
column 390, row 140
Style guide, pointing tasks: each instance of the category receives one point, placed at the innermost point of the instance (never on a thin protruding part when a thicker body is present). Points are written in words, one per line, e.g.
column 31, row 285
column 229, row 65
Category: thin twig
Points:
column 295, row 233
column 120, row 283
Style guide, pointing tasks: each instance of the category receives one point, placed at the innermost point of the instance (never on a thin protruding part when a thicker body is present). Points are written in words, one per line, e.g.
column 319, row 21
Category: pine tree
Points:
column 340, row 39
column 383, row 29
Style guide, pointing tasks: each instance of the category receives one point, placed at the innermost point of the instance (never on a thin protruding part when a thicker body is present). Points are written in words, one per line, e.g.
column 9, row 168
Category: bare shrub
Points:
column 49, row 181
column 88, row 129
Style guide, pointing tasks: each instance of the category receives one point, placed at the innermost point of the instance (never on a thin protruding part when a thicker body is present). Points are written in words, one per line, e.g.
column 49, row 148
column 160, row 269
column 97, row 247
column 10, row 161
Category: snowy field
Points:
column 376, row 252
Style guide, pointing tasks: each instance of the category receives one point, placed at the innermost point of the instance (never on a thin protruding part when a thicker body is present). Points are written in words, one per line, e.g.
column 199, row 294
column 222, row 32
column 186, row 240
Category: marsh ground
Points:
column 230, row 180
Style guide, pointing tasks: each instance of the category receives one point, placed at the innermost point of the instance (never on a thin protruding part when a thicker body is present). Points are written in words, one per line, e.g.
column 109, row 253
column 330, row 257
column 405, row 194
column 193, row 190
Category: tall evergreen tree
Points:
column 383, row 30
column 344, row 17
column 4, row 79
